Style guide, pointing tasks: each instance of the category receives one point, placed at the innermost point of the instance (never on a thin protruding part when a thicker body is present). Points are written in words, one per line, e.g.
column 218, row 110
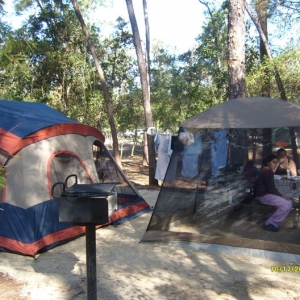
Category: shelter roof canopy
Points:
column 253, row 112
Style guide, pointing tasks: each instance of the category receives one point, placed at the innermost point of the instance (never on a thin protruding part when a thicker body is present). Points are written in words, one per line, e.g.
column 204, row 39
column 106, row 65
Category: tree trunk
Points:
column 281, row 89
column 146, row 154
column 236, row 74
column 261, row 7
column 116, row 151
column 266, row 45
column 145, row 89
column 236, row 47
column 147, row 40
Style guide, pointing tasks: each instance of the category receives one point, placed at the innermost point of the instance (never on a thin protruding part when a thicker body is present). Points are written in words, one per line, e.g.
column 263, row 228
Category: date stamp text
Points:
column 285, row 269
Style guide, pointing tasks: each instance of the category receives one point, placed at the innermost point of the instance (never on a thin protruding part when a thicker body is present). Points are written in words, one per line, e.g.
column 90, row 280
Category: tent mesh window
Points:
column 64, row 164
column 208, row 193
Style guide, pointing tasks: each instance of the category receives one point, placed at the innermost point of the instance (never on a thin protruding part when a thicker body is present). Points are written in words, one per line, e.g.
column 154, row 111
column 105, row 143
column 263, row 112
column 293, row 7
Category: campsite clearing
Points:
column 127, row 269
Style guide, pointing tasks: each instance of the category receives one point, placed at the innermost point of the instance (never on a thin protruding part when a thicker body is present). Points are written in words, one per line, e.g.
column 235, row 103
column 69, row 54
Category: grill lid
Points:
column 96, row 189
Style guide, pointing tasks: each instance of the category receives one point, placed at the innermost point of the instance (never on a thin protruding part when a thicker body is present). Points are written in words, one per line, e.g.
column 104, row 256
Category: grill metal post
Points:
column 87, row 205
column 90, row 240
column 91, row 267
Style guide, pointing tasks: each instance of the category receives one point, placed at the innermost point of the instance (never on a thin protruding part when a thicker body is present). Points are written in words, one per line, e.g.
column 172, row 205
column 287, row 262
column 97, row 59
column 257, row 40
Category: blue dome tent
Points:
column 39, row 147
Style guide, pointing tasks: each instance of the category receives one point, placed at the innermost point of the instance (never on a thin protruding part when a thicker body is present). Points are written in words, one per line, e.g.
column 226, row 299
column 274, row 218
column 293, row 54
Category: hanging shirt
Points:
column 190, row 158
column 218, row 151
column 163, row 155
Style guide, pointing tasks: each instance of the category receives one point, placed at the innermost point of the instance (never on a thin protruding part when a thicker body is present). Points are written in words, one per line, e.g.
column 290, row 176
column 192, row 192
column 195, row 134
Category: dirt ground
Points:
column 10, row 287
column 128, row 269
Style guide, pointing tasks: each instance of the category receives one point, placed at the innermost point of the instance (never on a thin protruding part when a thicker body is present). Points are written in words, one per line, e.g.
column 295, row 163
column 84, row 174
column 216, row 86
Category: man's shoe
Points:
column 272, row 228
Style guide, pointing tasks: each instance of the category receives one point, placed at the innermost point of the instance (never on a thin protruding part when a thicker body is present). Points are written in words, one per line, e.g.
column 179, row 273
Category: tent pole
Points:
column 294, row 146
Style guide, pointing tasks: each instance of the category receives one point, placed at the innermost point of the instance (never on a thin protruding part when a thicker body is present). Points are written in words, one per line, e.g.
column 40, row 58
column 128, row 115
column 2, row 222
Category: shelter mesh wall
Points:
column 208, row 194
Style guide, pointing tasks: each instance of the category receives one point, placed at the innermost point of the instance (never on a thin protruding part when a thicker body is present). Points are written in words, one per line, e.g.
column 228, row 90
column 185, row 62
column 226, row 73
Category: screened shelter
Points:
column 208, row 193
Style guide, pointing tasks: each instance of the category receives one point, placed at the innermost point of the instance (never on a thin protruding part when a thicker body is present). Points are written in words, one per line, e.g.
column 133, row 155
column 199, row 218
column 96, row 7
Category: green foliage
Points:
column 288, row 66
column 2, row 178
column 48, row 60
column 179, row 88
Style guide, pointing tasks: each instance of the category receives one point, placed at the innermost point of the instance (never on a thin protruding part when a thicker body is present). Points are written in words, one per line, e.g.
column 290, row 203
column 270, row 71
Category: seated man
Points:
column 285, row 163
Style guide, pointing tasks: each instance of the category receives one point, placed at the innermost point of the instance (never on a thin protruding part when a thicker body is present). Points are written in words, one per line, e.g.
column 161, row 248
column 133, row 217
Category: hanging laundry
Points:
column 163, row 155
column 190, row 158
column 219, row 151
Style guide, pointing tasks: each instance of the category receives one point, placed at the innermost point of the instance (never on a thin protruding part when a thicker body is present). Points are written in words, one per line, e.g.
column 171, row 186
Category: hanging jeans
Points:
column 282, row 205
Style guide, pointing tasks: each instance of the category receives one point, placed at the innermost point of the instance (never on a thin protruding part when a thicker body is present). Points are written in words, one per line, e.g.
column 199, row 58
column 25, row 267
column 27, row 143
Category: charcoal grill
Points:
column 86, row 205
column 82, row 204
